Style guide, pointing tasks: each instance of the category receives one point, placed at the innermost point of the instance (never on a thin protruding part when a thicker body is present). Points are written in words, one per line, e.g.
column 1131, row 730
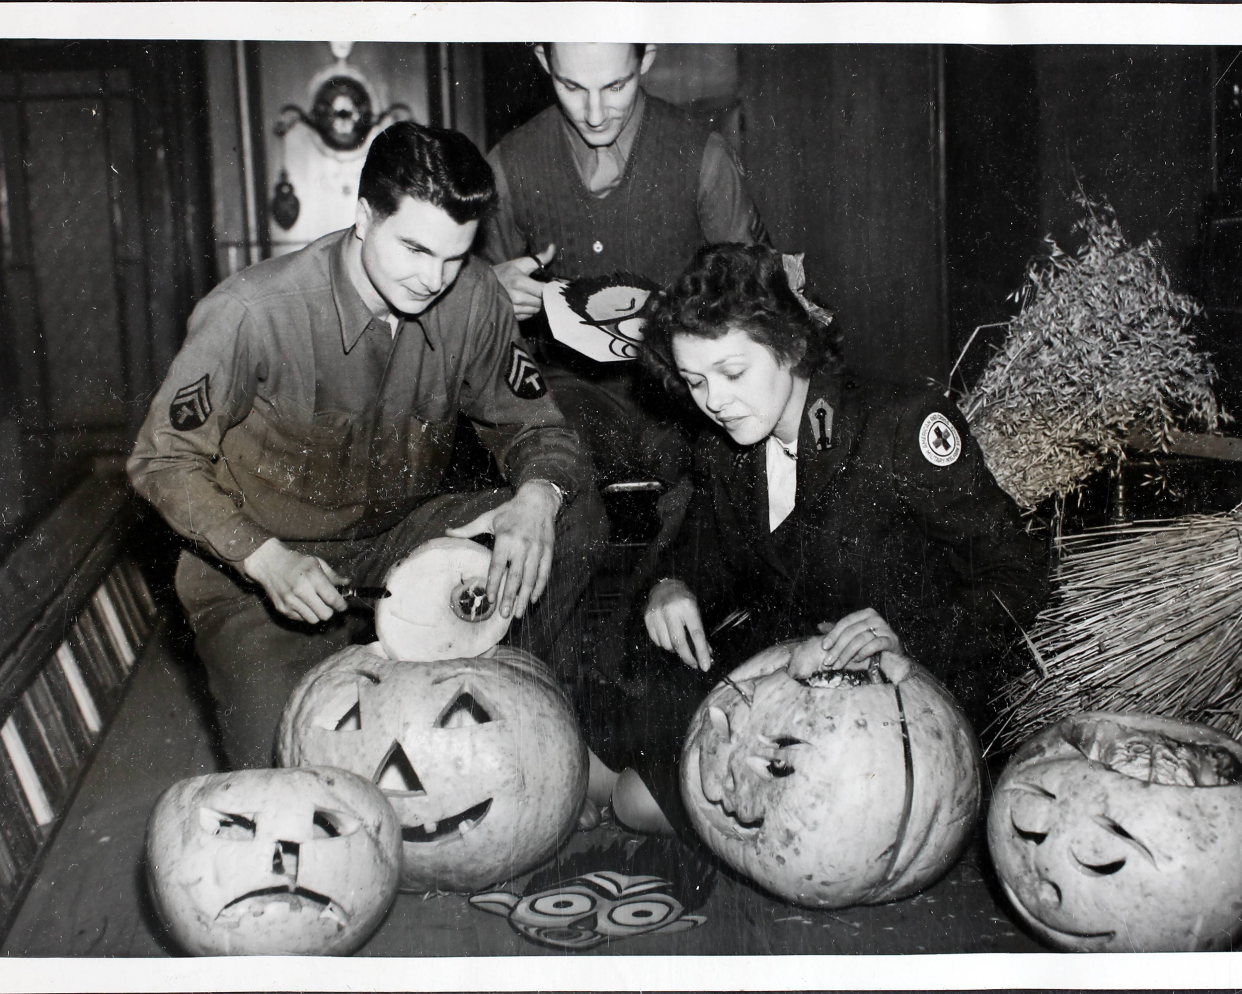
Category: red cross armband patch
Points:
column 191, row 405
column 939, row 441
column 523, row 376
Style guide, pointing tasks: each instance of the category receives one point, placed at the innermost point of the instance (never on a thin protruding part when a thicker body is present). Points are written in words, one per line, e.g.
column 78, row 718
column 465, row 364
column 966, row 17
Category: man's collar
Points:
column 354, row 314
column 584, row 154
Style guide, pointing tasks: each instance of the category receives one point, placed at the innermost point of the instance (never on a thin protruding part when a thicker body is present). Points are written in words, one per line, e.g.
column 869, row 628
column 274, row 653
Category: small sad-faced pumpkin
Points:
column 481, row 758
column 272, row 862
column 1123, row 832
column 858, row 791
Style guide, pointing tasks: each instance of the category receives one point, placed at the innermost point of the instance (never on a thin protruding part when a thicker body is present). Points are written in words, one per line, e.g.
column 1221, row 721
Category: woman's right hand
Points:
column 673, row 623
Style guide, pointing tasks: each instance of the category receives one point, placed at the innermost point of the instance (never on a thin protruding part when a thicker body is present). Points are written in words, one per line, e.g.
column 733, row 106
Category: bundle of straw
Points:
column 1099, row 348
column 1146, row 617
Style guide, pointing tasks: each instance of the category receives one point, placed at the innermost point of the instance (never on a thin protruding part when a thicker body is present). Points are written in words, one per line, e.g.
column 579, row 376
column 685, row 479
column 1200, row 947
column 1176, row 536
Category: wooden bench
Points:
column 77, row 613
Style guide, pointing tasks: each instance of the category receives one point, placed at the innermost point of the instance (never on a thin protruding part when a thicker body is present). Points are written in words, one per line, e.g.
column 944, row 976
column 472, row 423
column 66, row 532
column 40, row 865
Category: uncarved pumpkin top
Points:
column 438, row 608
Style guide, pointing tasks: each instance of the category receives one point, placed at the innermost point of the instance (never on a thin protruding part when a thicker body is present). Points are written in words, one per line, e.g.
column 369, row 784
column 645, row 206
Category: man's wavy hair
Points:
column 439, row 166
column 731, row 286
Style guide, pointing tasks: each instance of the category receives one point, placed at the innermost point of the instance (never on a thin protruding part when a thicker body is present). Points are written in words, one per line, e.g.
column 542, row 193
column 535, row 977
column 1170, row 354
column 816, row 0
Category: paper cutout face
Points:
column 592, row 909
column 601, row 316
column 828, row 797
column 1123, row 833
column 480, row 758
column 606, row 903
column 272, row 862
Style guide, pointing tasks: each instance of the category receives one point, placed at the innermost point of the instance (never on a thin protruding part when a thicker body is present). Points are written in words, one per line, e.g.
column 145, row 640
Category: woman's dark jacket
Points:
column 938, row 550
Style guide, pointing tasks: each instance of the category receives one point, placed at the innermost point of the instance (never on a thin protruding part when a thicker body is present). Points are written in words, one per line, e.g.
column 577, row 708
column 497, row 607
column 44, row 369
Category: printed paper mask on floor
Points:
column 481, row 758
column 1123, row 833
column 438, row 608
column 831, row 796
column 608, row 894
column 272, row 862
column 602, row 316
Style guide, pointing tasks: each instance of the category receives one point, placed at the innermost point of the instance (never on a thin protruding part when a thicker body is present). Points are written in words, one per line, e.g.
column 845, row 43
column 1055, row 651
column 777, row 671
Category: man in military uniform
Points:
column 301, row 437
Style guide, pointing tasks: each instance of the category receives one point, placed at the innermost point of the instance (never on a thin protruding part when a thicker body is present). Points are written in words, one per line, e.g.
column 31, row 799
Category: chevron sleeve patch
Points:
column 191, row 406
column 523, row 376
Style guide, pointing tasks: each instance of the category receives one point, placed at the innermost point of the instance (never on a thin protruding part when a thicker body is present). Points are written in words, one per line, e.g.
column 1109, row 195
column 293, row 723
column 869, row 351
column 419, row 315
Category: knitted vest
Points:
column 648, row 224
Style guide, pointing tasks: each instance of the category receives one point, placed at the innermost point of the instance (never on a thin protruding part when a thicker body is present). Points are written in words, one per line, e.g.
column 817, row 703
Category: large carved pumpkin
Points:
column 272, row 862
column 481, row 758
column 1123, row 832
column 829, row 796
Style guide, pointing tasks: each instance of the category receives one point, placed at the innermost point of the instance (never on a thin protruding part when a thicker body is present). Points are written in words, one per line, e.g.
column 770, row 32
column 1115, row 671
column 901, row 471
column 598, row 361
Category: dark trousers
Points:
column 630, row 428
column 254, row 657
column 633, row 432
column 643, row 725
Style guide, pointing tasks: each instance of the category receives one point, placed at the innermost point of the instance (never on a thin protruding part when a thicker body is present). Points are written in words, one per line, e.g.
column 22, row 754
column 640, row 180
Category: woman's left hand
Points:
column 847, row 645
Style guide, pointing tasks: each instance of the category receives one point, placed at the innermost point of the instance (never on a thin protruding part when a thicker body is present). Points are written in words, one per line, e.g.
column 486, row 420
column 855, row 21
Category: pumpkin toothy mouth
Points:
column 297, row 900
column 1052, row 928
column 458, row 824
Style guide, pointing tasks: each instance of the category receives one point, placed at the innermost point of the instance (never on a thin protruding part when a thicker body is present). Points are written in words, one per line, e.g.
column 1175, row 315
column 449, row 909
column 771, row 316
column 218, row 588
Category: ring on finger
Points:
column 874, row 633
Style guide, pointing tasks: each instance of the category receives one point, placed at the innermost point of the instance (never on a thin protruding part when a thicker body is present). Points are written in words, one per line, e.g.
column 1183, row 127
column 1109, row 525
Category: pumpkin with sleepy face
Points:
column 1123, row 832
column 272, row 862
column 481, row 758
column 828, row 796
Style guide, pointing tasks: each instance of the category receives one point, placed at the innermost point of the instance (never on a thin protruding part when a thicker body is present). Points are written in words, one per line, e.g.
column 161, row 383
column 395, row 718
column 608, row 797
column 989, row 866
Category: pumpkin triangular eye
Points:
column 226, row 824
column 343, row 713
column 466, row 710
column 396, row 773
column 351, row 721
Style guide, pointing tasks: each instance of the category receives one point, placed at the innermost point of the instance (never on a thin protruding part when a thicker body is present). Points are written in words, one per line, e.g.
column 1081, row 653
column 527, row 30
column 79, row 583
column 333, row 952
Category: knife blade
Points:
column 365, row 593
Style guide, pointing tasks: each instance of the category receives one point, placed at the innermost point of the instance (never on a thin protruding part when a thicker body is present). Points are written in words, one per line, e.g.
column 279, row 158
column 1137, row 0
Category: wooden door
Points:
column 102, row 252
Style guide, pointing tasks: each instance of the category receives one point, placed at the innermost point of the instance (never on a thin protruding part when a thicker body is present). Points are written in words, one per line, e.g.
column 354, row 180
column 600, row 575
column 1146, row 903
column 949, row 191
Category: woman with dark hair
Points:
column 825, row 503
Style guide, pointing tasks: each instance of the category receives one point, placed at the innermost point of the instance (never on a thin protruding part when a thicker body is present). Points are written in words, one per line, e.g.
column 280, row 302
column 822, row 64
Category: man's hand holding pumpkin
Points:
column 524, row 528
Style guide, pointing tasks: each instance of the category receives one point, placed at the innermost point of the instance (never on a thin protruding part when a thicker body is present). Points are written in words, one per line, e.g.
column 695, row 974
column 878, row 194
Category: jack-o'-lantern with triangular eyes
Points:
column 481, row 758
column 1123, row 832
column 272, row 862
column 844, row 789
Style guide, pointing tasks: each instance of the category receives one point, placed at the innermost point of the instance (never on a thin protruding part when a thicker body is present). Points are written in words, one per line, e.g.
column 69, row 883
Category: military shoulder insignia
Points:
column 523, row 377
column 191, row 405
column 939, row 441
column 820, row 416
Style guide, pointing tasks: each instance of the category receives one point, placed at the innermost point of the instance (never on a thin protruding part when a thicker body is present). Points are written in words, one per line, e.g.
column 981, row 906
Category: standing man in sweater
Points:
column 611, row 179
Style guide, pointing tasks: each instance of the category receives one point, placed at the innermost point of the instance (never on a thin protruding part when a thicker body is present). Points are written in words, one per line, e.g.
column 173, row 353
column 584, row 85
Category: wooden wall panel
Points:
column 101, row 196
column 992, row 209
column 1135, row 124
column 131, row 269
column 842, row 144
column 71, row 228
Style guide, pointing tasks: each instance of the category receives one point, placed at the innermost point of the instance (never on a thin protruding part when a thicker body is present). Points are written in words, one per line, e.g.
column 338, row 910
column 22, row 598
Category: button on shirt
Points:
column 726, row 211
column 301, row 416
